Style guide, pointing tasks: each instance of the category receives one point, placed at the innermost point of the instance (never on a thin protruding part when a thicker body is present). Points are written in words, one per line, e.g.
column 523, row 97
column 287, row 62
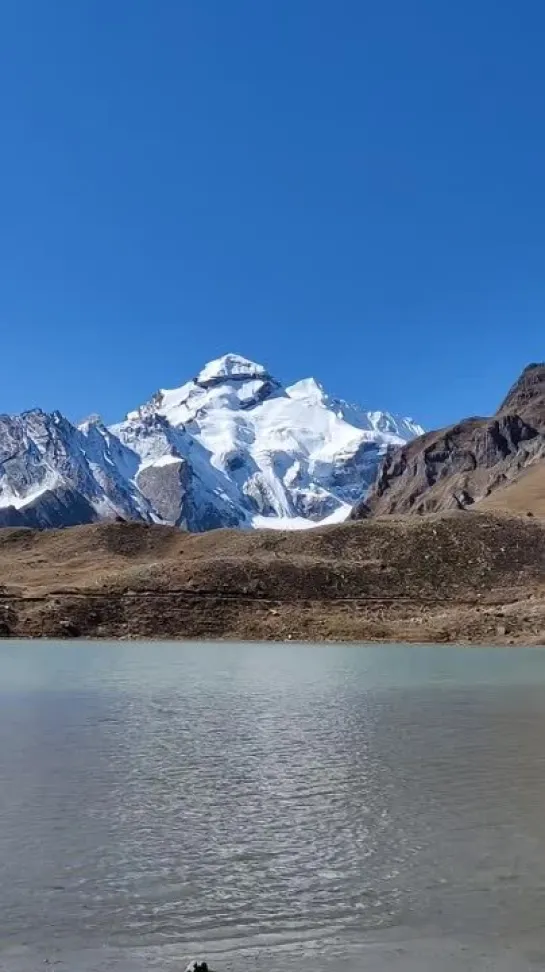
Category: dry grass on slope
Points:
column 429, row 578
column 434, row 556
column 524, row 496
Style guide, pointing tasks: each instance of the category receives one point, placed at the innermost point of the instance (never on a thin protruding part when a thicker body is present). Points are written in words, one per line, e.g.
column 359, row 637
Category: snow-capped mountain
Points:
column 232, row 447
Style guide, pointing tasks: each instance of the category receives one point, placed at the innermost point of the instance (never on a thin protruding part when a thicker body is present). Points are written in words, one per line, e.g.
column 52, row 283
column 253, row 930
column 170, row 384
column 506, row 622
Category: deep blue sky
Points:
column 350, row 189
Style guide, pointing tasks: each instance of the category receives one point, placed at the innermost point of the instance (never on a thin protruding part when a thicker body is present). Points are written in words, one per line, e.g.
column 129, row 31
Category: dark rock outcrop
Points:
column 527, row 396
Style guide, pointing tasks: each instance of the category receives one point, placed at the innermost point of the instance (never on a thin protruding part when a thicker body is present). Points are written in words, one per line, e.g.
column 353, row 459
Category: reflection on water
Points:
column 298, row 799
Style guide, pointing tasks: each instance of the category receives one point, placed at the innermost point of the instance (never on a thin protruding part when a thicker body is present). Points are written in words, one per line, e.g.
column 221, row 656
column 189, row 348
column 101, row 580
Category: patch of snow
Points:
column 299, row 522
column 308, row 389
column 166, row 460
column 19, row 502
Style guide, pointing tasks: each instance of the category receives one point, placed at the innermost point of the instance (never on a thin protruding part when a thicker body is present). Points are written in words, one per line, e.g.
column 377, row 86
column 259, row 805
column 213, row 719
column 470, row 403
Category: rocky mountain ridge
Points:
column 467, row 463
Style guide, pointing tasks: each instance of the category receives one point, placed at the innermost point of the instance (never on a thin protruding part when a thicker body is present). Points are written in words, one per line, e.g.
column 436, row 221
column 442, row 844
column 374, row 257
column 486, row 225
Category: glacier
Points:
column 233, row 447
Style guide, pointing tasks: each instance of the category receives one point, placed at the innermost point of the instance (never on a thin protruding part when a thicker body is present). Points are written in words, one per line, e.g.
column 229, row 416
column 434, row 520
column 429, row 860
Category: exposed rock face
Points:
column 54, row 474
column 165, row 486
column 462, row 465
column 527, row 396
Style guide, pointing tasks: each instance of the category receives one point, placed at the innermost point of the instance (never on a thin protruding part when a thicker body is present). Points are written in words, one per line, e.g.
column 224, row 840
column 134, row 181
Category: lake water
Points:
column 271, row 806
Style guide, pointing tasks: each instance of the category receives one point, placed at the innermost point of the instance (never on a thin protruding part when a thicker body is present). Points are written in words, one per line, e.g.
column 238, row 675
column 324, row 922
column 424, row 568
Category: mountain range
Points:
column 435, row 555
column 232, row 447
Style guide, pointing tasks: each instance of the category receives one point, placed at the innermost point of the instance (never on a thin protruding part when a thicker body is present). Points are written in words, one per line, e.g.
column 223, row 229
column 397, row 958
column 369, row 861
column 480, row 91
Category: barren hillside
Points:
column 459, row 576
column 469, row 462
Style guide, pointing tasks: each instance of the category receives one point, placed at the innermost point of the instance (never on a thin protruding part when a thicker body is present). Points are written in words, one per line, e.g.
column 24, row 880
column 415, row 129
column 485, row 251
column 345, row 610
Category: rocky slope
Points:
column 478, row 460
column 232, row 447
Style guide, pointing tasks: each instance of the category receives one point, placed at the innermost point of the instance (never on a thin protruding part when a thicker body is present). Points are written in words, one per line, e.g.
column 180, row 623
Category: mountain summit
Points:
column 231, row 447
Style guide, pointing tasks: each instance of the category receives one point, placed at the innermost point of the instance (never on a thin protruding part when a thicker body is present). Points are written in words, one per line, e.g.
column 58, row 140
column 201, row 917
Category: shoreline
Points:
column 406, row 948
column 64, row 628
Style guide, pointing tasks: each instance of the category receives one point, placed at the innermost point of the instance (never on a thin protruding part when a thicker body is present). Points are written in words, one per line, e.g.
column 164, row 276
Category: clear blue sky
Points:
column 350, row 189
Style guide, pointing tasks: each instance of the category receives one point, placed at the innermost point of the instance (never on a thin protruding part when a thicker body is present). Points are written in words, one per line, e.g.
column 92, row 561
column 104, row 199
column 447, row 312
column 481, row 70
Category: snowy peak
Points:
column 232, row 447
column 230, row 367
column 229, row 383
column 92, row 421
column 309, row 390
column 264, row 454
column 395, row 429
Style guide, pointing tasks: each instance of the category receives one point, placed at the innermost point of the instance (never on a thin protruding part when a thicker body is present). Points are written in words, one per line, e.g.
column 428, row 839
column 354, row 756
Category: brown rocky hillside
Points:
column 455, row 576
column 475, row 461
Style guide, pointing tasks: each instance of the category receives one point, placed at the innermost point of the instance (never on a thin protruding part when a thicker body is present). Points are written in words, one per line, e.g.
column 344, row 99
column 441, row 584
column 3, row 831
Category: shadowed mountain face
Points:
column 60, row 507
column 478, row 460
